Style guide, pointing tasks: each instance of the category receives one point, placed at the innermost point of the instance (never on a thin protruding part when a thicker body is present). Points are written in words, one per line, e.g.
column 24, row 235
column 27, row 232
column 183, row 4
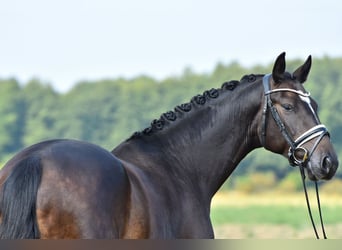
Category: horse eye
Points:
column 287, row 107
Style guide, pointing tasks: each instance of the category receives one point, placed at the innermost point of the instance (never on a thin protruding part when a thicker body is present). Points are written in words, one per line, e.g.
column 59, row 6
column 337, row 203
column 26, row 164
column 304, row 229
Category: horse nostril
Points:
column 327, row 164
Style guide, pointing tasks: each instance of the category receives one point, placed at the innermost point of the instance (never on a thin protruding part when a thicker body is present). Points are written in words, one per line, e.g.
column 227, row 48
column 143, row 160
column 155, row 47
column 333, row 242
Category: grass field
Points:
column 273, row 215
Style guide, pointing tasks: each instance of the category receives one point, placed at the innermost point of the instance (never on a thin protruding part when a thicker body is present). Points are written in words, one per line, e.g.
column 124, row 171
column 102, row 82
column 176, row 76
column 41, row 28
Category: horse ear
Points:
column 279, row 68
column 302, row 72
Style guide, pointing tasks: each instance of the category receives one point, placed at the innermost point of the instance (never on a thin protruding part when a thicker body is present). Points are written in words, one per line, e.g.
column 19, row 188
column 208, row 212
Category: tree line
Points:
column 107, row 111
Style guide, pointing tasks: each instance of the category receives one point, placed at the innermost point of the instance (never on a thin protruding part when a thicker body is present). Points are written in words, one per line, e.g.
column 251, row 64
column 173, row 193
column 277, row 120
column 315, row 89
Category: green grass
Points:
column 295, row 216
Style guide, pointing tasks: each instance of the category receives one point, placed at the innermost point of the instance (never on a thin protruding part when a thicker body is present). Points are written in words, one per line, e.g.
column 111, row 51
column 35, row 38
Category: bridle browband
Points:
column 298, row 155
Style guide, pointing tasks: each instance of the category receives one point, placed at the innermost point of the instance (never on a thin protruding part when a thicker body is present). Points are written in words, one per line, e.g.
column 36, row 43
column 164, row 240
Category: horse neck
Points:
column 205, row 145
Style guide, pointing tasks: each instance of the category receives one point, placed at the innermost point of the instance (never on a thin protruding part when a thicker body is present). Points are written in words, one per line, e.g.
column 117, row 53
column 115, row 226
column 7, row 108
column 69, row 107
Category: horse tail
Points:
column 18, row 200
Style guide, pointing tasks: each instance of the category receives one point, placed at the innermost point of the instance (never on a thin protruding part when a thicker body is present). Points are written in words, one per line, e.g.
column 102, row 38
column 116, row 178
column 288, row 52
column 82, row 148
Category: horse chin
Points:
column 315, row 173
column 312, row 176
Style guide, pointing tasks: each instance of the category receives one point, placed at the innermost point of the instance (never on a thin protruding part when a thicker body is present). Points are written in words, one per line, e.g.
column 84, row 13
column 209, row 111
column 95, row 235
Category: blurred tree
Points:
column 108, row 111
column 41, row 108
column 11, row 117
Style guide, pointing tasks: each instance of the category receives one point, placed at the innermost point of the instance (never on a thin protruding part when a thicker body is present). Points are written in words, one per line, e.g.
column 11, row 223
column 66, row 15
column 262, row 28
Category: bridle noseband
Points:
column 298, row 155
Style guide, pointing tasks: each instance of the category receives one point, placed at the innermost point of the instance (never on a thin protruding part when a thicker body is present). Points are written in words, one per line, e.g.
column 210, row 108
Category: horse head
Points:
column 291, row 125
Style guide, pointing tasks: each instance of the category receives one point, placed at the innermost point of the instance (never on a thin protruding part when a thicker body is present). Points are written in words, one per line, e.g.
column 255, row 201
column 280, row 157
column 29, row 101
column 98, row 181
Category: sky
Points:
column 66, row 41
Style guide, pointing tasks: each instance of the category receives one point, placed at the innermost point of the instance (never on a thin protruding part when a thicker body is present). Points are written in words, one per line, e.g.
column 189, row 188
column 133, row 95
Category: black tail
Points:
column 18, row 200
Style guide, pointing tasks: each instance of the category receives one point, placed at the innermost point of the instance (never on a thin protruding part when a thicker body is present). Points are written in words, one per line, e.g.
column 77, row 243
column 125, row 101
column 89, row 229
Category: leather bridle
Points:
column 298, row 155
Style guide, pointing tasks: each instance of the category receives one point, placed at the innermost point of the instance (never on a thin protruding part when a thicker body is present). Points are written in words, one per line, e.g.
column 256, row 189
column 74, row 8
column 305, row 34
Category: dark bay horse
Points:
column 159, row 183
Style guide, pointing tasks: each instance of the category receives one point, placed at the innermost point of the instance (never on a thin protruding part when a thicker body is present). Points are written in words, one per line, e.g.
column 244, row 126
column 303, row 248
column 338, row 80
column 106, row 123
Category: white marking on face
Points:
column 306, row 99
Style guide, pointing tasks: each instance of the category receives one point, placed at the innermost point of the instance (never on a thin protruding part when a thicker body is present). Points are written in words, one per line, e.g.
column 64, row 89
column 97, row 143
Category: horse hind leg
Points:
column 56, row 224
column 72, row 210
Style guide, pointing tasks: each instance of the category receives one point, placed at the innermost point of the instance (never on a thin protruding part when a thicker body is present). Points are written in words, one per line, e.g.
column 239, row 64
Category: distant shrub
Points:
column 290, row 183
column 255, row 182
column 333, row 186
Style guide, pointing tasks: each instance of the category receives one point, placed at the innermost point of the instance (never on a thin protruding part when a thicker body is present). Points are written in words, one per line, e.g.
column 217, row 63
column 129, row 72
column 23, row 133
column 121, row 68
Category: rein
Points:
column 297, row 155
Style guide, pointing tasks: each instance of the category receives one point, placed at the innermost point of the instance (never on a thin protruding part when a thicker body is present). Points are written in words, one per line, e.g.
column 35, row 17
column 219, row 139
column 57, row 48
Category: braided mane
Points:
column 199, row 100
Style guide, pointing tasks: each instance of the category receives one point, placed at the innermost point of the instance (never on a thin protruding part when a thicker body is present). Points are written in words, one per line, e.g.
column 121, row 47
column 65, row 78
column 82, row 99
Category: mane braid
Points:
column 171, row 116
column 250, row 78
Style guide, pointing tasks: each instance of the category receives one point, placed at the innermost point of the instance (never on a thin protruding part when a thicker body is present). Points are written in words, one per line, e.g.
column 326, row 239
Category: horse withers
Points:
column 160, row 181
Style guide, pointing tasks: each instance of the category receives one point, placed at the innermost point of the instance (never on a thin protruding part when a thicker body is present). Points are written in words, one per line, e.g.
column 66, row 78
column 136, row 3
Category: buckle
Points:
column 298, row 156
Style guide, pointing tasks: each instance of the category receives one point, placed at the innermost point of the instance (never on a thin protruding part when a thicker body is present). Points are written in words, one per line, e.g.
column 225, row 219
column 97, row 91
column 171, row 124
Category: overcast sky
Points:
column 65, row 41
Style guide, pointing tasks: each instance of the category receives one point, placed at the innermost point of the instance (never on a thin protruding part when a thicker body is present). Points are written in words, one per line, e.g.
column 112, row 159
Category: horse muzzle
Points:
column 323, row 170
column 321, row 160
